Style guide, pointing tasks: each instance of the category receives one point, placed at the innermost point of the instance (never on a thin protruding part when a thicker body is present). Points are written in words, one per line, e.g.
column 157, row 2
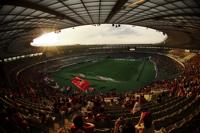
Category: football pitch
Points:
column 108, row 74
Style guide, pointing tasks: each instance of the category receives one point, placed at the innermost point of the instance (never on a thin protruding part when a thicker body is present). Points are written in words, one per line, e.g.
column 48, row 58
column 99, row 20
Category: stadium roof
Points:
column 23, row 20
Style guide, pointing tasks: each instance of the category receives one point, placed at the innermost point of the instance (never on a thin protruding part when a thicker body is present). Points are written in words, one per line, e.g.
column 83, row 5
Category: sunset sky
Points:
column 103, row 34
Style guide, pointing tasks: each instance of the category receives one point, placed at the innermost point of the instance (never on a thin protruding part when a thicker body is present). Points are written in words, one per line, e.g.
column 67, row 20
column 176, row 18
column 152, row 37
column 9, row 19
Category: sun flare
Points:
column 49, row 39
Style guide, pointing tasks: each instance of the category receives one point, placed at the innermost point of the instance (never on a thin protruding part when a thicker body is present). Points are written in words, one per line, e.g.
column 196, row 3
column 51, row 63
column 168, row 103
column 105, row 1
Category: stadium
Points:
column 100, row 88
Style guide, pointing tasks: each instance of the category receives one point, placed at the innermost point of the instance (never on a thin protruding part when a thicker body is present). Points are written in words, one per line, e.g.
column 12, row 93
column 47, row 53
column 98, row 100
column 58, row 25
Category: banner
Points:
column 82, row 84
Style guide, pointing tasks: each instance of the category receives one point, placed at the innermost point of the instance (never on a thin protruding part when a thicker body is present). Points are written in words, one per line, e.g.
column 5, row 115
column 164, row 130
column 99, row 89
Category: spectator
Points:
column 78, row 125
column 124, row 126
column 137, row 106
column 159, row 99
column 145, row 123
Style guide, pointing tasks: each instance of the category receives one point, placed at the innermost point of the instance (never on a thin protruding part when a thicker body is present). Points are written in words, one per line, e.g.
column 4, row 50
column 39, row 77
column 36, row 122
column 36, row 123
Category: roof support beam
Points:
column 157, row 18
column 61, row 1
column 27, row 19
column 87, row 10
column 23, row 28
column 35, row 6
column 99, row 11
column 20, row 34
column 119, row 4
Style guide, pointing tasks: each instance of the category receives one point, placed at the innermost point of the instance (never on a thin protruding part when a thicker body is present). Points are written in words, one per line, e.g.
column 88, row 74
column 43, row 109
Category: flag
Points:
column 82, row 84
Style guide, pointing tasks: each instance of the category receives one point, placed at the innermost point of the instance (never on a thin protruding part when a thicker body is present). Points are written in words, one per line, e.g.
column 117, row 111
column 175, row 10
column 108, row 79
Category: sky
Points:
column 103, row 34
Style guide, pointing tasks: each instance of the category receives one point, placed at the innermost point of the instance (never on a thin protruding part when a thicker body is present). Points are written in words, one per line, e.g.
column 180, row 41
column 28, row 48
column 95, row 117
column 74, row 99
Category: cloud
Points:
column 107, row 34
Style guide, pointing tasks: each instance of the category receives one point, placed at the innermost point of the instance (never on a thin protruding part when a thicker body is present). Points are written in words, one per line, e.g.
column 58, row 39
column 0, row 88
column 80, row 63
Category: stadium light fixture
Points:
column 5, row 60
column 132, row 49
column 187, row 50
column 135, row 3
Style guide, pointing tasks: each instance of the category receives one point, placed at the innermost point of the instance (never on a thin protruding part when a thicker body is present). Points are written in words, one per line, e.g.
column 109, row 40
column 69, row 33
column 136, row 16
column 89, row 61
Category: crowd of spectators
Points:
column 23, row 114
column 163, row 63
column 38, row 105
column 187, row 84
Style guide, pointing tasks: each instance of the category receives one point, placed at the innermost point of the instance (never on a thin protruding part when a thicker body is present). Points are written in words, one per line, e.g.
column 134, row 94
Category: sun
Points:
column 49, row 39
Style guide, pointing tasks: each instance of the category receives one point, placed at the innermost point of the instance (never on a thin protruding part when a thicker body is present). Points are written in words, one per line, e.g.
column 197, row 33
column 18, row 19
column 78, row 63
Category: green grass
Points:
column 124, row 73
